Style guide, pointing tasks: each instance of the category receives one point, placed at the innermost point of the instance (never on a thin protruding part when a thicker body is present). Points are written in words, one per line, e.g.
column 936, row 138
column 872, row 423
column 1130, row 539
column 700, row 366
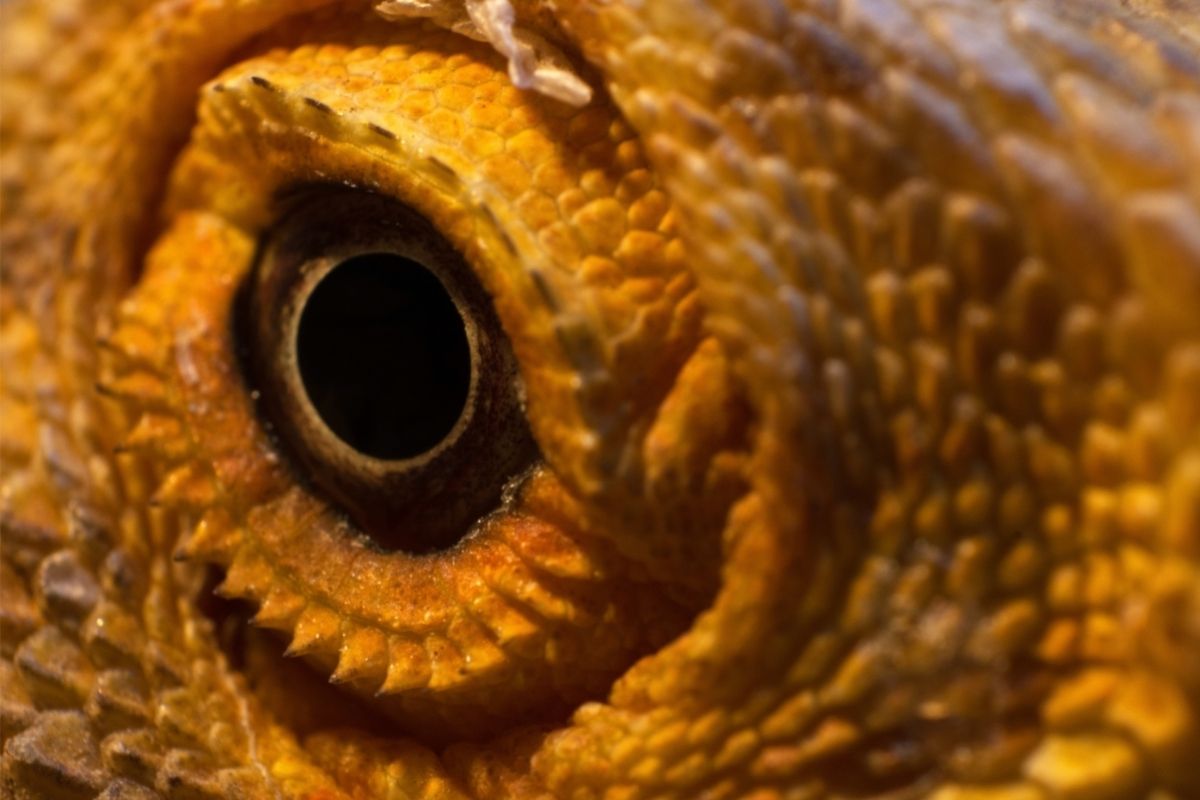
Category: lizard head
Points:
column 475, row 399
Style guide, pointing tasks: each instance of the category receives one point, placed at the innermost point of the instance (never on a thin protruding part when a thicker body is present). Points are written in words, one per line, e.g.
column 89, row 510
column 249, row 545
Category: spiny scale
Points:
column 142, row 389
column 409, row 667
column 280, row 609
column 188, row 487
column 363, row 658
column 318, row 632
column 248, row 577
column 160, row 435
column 214, row 539
column 132, row 345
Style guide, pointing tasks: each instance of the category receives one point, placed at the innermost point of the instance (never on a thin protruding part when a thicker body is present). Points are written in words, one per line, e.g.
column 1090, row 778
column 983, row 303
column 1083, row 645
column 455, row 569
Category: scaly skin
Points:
column 861, row 342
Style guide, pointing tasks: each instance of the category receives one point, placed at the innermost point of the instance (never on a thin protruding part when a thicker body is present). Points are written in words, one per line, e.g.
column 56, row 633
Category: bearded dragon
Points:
column 832, row 426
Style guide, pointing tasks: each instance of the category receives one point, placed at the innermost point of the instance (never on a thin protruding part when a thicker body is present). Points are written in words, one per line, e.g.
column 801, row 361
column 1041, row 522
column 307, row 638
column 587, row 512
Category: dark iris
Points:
column 384, row 356
column 383, row 368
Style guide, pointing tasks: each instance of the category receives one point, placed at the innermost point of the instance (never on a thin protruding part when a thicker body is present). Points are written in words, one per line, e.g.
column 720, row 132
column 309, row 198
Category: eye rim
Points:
column 314, row 273
column 318, row 228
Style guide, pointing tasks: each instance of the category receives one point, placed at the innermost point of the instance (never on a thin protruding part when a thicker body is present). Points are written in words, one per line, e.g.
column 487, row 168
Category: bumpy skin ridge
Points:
column 862, row 347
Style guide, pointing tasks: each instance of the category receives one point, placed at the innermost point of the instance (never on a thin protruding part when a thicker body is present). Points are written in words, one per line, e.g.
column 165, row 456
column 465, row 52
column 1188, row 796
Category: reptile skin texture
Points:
column 859, row 340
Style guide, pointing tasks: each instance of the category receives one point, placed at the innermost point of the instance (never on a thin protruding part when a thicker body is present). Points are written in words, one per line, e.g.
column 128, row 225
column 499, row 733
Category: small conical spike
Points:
column 158, row 434
column 144, row 309
column 140, row 388
column 514, row 630
column 133, row 344
column 280, row 609
column 545, row 550
column 364, row 658
column 408, row 666
column 479, row 652
column 318, row 631
column 524, row 589
column 249, row 576
column 213, row 539
column 447, row 663
column 189, row 486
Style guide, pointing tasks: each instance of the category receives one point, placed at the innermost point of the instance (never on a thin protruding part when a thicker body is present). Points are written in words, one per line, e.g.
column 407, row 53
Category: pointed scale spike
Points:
column 364, row 658
column 213, row 539
column 133, row 344
column 157, row 434
column 280, row 610
column 513, row 629
column 190, row 486
column 141, row 388
column 408, row 666
column 521, row 587
column 479, row 652
column 318, row 632
column 249, row 576
column 545, row 550
column 447, row 663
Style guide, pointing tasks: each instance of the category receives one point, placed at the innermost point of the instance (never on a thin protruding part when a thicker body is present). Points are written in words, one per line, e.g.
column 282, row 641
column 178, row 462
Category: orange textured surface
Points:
column 860, row 341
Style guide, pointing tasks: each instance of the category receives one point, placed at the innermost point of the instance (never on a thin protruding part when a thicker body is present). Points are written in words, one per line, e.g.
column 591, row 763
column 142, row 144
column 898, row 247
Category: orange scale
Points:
column 426, row 80
column 515, row 630
column 486, row 112
column 536, row 210
column 482, row 659
column 356, row 86
column 398, row 592
column 506, row 173
column 388, row 66
column 531, row 146
column 545, row 548
column 473, row 73
column 443, row 123
column 553, row 178
column 510, row 578
column 412, row 105
column 478, row 143
column 590, row 125
column 455, row 97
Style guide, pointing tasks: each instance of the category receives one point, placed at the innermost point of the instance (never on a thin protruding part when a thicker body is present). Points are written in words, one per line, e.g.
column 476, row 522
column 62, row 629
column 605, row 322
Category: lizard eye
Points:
column 383, row 368
column 404, row 378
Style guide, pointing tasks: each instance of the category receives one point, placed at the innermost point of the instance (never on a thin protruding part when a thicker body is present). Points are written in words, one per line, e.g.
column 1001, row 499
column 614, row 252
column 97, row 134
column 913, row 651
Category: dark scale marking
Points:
column 581, row 349
column 486, row 210
column 507, row 241
column 318, row 105
column 106, row 390
column 379, row 130
column 543, row 288
column 70, row 241
column 442, row 168
column 263, row 83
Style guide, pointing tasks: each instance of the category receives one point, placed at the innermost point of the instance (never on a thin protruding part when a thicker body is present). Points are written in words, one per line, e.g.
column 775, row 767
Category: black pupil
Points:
column 383, row 355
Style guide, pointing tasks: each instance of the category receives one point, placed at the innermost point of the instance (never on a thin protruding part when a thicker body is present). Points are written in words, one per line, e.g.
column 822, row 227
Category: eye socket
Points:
column 383, row 369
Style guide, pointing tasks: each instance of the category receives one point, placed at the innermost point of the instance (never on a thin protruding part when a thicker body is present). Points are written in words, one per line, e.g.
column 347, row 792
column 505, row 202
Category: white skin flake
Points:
column 533, row 62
